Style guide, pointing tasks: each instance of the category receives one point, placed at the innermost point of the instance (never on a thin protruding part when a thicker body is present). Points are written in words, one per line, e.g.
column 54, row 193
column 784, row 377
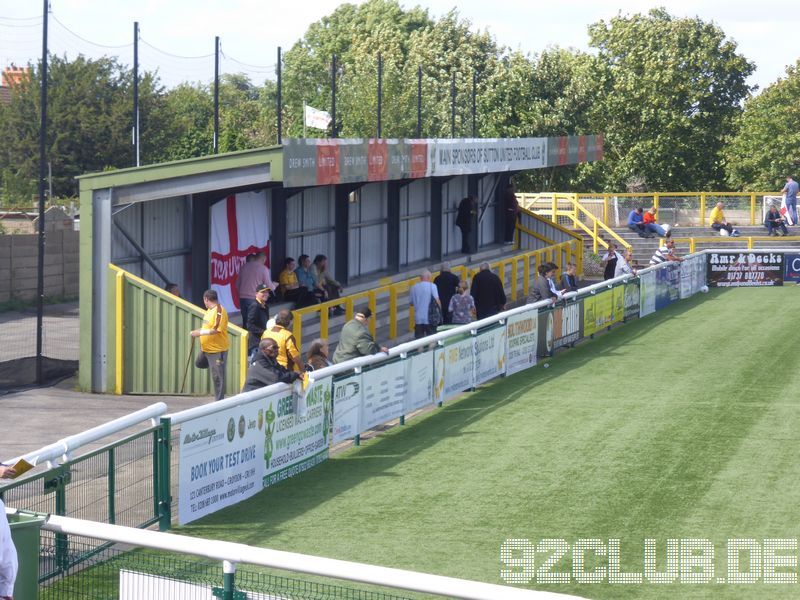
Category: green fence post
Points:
column 228, row 589
column 57, row 484
column 164, row 465
column 112, row 487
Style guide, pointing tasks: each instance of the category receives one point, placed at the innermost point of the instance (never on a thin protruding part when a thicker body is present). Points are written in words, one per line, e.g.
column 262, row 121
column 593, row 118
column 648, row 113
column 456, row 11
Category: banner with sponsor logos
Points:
column 632, row 299
column 346, row 407
column 455, row 368
column 490, row 354
column 668, row 285
column 693, row 275
column 603, row 310
column 309, row 162
column 420, row 378
column 791, row 268
column 521, row 340
column 383, row 390
column 559, row 326
column 750, row 268
column 647, row 293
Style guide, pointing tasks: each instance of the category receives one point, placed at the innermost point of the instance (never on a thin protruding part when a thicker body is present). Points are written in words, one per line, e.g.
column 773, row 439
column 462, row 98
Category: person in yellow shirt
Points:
column 290, row 287
column 288, row 353
column 718, row 222
column 214, row 342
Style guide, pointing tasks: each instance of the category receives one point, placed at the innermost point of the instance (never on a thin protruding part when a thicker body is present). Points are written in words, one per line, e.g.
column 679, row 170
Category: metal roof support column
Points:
column 393, row 227
column 201, row 253
column 101, row 257
column 342, row 232
column 436, row 218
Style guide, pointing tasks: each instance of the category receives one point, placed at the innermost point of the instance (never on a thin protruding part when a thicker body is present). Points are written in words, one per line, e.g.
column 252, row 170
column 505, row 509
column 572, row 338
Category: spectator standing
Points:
column 512, row 213
column 551, row 280
column 569, row 280
column 172, row 288
column 774, row 222
column 650, row 225
column 257, row 318
column 333, row 289
column 625, row 264
column 290, row 287
column 355, row 339
column 253, row 273
column 462, row 305
column 718, row 221
column 214, row 342
column 636, row 222
column 447, row 285
column 307, row 279
column 791, row 189
column 317, row 357
column 8, row 553
column 610, row 258
column 265, row 369
column 488, row 293
column 420, row 297
column 666, row 253
column 465, row 217
column 288, row 352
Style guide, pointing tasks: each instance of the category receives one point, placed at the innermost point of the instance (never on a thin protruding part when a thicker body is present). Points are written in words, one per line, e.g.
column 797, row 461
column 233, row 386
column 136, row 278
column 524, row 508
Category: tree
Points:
column 764, row 148
column 671, row 91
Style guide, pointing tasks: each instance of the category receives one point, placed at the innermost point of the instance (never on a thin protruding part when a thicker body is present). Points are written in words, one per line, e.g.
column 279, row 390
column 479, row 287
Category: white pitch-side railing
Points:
column 231, row 554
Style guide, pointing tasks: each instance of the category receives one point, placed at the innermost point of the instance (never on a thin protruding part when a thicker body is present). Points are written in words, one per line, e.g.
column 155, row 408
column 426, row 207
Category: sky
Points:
column 767, row 32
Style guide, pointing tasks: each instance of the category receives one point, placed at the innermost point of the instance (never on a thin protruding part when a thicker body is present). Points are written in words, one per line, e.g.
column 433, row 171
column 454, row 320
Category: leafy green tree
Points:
column 671, row 90
column 766, row 145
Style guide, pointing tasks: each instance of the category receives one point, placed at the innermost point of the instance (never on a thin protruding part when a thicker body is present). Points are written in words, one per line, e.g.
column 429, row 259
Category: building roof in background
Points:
column 5, row 95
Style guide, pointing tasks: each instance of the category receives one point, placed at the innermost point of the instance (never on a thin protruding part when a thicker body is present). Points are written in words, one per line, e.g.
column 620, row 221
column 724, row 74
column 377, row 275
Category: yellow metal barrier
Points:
column 393, row 291
column 577, row 214
column 749, row 240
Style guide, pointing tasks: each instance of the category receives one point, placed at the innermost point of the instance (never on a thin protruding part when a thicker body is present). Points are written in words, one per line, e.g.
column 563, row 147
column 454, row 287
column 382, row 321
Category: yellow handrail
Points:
column 395, row 290
column 693, row 241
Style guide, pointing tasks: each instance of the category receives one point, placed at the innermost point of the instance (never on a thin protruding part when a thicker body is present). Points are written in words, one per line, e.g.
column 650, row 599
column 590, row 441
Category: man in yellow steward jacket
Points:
column 288, row 352
column 213, row 342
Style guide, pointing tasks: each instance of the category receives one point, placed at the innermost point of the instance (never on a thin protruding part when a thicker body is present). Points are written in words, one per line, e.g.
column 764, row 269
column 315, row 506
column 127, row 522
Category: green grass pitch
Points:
column 684, row 424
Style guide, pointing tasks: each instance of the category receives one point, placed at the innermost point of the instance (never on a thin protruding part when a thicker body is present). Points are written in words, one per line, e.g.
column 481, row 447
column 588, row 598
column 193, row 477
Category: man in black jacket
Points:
column 465, row 217
column 446, row 283
column 266, row 370
column 256, row 320
column 488, row 293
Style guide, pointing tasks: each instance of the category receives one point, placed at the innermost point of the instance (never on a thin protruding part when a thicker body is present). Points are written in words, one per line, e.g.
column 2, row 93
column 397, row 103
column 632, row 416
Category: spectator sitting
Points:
column 774, row 222
column 172, row 288
column 355, row 339
column 650, row 225
column 541, row 290
column 461, row 306
column 265, row 369
column 420, row 297
column 718, row 222
column 447, row 285
column 569, row 280
column 551, row 281
column 288, row 353
column 610, row 258
column 317, row 357
column 665, row 253
column 636, row 222
column 290, row 287
column 488, row 293
column 306, row 278
column 333, row 289
column 625, row 264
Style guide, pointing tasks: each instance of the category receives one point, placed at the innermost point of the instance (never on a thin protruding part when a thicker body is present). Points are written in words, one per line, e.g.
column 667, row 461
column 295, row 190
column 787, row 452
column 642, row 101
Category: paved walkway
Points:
column 36, row 417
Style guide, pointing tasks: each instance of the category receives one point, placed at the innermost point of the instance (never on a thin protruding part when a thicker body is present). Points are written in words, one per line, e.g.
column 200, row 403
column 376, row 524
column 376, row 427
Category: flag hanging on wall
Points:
column 239, row 226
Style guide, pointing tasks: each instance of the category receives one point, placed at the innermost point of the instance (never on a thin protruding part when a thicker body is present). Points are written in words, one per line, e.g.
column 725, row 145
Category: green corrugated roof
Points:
column 272, row 155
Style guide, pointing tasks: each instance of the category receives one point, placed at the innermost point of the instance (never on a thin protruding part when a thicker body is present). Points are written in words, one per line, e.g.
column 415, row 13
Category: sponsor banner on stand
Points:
column 455, row 369
column 745, row 269
column 560, row 326
column 419, row 376
column 521, row 340
column 632, row 299
column 346, row 408
column 603, row 310
column 692, row 275
column 490, row 354
column 294, row 443
column 382, row 394
column 791, row 268
column 668, row 285
column 221, row 460
column 647, row 293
